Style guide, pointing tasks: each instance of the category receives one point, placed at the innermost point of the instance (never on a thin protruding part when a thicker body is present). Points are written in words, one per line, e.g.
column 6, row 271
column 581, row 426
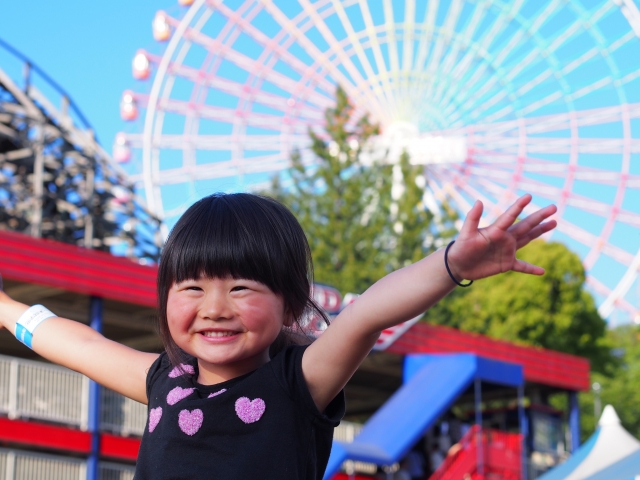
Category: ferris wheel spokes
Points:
column 506, row 80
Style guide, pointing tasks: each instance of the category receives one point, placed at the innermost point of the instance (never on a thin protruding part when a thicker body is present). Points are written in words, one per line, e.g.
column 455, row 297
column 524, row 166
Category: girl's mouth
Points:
column 218, row 334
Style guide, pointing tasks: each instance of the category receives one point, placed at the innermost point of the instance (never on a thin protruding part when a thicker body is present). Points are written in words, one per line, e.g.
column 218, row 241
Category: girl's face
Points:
column 227, row 324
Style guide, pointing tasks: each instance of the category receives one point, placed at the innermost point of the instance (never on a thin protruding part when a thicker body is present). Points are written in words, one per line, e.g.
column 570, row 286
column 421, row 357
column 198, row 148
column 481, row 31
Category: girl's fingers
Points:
column 535, row 232
column 521, row 228
column 524, row 267
column 472, row 220
column 504, row 221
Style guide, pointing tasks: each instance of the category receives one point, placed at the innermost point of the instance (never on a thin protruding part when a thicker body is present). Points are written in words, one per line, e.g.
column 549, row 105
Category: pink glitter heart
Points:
column 178, row 394
column 250, row 411
column 155, row 414
column 190, row 422
column 215, row 394
column 181, row 370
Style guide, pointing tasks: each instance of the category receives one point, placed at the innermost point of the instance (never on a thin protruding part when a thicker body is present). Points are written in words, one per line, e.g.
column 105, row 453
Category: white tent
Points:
column 609, row 444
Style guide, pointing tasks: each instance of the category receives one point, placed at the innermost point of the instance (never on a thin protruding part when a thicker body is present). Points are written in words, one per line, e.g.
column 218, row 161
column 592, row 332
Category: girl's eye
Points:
column 238, row 288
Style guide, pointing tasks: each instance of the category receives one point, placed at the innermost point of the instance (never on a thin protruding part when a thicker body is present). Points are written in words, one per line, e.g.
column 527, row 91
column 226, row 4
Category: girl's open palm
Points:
column 482, row 252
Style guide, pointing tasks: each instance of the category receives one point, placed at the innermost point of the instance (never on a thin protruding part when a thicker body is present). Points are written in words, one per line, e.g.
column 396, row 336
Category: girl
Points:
column 233, row 396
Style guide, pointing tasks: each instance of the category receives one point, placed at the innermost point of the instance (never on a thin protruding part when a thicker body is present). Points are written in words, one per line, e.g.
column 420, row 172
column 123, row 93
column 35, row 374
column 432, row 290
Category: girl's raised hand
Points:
column 482, row 252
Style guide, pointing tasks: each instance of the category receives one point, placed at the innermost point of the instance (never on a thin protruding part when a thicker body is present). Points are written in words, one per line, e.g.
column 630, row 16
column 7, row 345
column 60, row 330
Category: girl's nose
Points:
column 215, row 307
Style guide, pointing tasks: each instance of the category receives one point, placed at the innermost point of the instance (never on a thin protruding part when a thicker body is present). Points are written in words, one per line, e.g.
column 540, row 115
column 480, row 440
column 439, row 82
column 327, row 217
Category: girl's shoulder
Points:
column 287, row 370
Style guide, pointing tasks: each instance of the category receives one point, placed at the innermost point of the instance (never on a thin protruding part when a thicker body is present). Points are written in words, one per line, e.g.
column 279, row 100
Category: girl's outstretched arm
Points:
column 332, row 359
column 80, row 348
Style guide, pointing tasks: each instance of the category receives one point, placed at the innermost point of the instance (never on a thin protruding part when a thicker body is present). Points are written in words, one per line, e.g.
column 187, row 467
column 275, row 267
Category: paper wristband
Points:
column 29, row 321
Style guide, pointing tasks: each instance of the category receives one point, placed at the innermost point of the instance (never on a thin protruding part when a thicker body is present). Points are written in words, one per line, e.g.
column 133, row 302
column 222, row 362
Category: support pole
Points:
column 90, row 200
column 478, row 408
column 94, row 398
column 38, row 183
column 524, row 431
column 574, row 421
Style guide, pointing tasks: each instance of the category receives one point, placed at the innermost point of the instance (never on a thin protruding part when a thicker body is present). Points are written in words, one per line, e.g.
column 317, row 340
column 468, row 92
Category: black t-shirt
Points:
column 263, row 425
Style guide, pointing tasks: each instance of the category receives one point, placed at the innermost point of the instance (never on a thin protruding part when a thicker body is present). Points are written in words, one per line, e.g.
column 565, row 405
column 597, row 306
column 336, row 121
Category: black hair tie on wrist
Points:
column 446, row 264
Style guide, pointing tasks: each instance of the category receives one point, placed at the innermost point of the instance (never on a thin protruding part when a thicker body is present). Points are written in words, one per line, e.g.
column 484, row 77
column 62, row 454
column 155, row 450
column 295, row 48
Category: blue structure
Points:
column 94, row 398
column 432, row 383
column 626, row 469
column 574, row 421
column 611, row 453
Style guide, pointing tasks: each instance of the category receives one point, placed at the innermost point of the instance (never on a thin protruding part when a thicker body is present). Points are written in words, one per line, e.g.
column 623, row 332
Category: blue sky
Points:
column 86, row 47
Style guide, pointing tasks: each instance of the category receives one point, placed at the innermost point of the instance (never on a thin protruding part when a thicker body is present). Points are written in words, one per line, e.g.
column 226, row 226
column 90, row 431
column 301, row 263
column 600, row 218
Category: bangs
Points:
column 233, row 236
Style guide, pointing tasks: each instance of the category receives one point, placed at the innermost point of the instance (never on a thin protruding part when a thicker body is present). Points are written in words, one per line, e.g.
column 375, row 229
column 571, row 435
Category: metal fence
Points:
column 114, row 471
column 21, row 465
column 25, row 465
column 346, row 431
column 121, row 415
column 36, row 390
column 40, row 391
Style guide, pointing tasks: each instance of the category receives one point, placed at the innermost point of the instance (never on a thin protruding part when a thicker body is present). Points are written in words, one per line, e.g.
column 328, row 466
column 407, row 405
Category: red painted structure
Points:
column 54, row 437
column 76, row 269
column 501, row 457
column 41, row 435
column 546, row 367
column 88, row 272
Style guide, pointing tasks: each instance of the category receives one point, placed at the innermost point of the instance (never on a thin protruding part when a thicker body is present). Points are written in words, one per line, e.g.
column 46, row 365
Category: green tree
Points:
column 552, row 311
column 621, row 387
column 363, row 219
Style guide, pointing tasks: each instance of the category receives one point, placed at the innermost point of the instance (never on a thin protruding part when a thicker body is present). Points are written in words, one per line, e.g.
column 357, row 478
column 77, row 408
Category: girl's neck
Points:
column 212, row 374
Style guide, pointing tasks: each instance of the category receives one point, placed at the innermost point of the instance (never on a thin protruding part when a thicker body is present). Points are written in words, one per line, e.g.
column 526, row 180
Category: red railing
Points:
column 501, row 457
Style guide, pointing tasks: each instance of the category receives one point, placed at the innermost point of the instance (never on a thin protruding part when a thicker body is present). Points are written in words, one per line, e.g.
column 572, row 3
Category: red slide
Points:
column 500, row 455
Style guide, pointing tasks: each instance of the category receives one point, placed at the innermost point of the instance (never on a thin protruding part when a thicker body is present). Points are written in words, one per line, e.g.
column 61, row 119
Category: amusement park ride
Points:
column 57, row 182
column 493, row 97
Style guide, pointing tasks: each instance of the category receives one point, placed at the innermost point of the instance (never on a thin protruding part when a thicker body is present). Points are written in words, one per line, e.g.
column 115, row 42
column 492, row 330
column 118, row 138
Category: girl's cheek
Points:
column 177, row 311
column 258, row 318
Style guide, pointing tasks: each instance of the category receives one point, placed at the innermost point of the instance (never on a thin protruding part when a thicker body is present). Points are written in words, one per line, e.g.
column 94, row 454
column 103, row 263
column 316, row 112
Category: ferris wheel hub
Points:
column 423, row 149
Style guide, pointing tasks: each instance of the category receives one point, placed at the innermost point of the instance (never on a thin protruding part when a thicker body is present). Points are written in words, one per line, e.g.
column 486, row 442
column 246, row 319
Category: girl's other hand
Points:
column 482, row 252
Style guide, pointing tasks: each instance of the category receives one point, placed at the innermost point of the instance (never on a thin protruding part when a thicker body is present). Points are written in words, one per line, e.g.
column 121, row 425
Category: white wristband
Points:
column 29, row 321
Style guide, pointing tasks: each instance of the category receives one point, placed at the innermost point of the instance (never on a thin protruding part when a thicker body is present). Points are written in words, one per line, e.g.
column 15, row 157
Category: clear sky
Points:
column 86, row 47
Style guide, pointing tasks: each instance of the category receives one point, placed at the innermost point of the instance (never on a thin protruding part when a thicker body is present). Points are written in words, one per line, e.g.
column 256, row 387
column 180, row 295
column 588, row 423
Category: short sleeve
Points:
column 287, row 367
column 160, row 365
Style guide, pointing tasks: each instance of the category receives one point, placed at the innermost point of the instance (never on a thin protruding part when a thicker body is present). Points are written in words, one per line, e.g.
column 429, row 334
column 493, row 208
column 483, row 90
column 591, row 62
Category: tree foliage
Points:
column 620, row 387
column 362, row 219
column 552, row 311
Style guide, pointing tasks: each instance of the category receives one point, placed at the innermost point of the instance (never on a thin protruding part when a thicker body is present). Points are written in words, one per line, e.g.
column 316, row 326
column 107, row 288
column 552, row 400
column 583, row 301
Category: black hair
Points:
column 240, row 235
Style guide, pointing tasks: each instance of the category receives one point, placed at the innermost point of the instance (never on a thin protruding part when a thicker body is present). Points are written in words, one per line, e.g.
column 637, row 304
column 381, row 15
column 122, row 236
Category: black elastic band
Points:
column 446, row 264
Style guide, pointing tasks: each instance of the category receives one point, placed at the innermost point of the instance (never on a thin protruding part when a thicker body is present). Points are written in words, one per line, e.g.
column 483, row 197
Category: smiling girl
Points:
column 236, row 393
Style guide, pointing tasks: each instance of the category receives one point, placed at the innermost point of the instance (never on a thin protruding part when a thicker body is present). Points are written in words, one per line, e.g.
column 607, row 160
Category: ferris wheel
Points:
column 493, row 97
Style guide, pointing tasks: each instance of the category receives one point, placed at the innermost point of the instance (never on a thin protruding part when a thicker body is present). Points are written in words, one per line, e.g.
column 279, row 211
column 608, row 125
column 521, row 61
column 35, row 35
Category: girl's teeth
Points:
column 218, row 334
